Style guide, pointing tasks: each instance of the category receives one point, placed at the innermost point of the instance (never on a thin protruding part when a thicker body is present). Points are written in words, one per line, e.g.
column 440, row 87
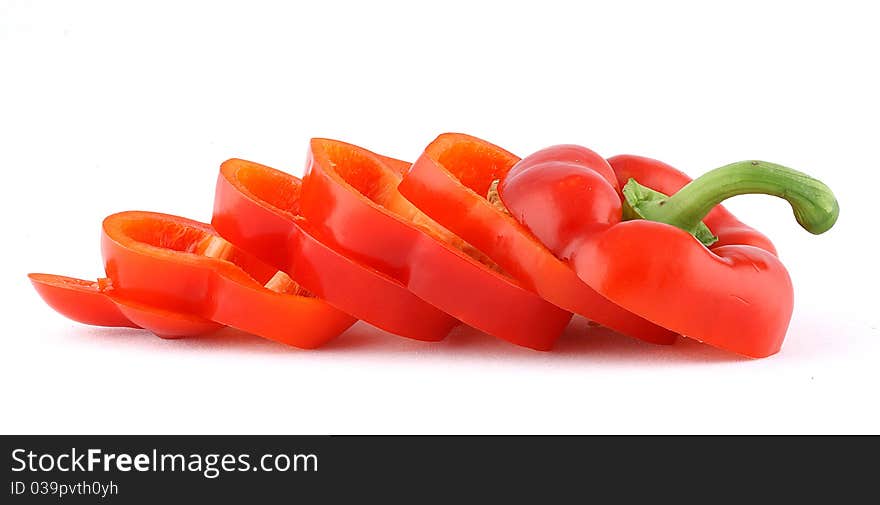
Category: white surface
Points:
column 105, row 107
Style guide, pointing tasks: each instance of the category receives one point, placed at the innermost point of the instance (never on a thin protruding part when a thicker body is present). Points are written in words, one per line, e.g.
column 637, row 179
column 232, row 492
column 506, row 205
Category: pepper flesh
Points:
column 450, row 181
column 736, row 296
column 350, row 196
column 257, row 208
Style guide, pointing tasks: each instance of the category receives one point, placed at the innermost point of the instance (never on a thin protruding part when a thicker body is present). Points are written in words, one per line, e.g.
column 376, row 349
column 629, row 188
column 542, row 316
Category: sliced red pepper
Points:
column 95, row 303
column 451, row 181
column 256, row 207
column 183, row 266
column 733, row 295
column 350, row 197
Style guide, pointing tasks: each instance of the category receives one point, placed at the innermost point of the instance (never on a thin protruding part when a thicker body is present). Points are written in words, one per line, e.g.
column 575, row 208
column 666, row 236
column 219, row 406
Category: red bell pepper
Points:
column 350, row 197
column 257, row 208
column 450, row 182
column 730, row 291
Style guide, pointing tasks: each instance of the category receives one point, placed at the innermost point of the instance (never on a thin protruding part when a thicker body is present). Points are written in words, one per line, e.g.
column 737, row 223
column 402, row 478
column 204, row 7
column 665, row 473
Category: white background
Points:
column 107, row 106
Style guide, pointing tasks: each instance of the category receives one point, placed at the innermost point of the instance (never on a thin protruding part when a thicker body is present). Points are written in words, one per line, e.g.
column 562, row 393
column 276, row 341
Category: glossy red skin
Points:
column 569, row 153
column 559, row 223
column 95, row 303
column 337, row 203
column 449, row 182
column 256, row 207
column 735, row 297
column 155, row 259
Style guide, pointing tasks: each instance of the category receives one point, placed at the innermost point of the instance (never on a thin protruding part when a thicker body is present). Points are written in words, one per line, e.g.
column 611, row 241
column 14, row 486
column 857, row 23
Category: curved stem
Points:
column 814, row 205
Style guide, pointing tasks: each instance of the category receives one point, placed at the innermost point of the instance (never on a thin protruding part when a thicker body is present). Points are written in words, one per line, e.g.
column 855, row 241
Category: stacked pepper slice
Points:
column 257, row 208
column 177, row 277
column 469, row 234
column 350, row 196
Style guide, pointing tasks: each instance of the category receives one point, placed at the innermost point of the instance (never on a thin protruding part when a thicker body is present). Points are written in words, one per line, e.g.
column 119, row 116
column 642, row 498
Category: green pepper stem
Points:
column 814, row 205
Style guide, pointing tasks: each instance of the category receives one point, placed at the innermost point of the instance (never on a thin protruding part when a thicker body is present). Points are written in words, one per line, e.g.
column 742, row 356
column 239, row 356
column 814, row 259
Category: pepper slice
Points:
column 451, row 181
column 95, row 303
column 734, row 293
column 183, row 266
column 350, row 196
column 256, row 207
column 79, row 300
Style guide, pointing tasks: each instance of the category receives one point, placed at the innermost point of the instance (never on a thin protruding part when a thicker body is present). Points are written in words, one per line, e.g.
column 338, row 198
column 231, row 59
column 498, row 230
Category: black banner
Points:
column 141, row 469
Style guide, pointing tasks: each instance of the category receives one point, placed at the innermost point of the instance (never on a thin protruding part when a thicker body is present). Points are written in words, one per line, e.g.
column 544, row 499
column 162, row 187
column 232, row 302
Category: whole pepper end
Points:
column 815, row 207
